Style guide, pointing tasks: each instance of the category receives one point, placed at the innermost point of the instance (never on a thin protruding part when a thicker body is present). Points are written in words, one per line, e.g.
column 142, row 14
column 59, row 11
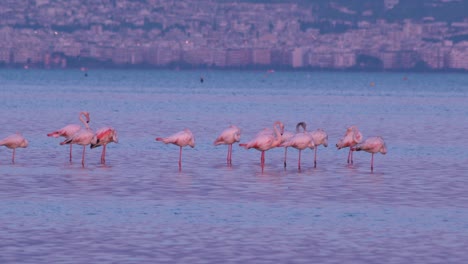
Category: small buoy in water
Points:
column 201, row 79
column 372, row 84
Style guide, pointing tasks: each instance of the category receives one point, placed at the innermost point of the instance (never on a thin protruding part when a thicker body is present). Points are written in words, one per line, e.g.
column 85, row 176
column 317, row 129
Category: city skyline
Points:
column 371, row 35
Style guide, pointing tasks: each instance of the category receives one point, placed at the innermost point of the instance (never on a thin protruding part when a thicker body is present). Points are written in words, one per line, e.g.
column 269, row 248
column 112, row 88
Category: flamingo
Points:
column 266, row 140
column 320, row 137
column 372, row 145
column 300, row 141
column 70, row 130
column 14, row 141
column 286, row 136
column 102, row 137
column 352, row 137
column 181, row 139
column 83, row 137
column 229, row 136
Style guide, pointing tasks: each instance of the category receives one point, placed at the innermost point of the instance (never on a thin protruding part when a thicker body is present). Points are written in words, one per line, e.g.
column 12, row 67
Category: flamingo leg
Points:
column 349, row 156
column 229, row 154
column 285, row 155
column 82, row 158
column 71, row 153
column 103, row 155
column 299, row 162
column 372, row 163
column 352, row 153
column 13, row 157
column 180, row 159
column 262, row 160
column 315, row 157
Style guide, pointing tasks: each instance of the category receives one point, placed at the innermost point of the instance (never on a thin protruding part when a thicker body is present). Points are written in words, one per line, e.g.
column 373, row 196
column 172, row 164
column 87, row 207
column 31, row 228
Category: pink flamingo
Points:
column 228, row 137
column 320, row 137
column 70, row 130
column 266, row 140
column 300, row 141
column 352, row 137
column 83, row 137
column 102, row 137
column 14, row 141
column 372, row 145
column 181, row 139
column 285, row 137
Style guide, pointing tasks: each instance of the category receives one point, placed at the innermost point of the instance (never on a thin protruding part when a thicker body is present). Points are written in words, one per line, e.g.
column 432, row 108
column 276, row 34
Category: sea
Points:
column 139, row 207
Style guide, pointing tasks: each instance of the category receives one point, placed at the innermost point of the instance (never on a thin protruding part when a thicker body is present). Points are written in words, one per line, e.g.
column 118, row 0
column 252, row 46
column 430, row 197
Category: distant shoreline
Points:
column 269, row 68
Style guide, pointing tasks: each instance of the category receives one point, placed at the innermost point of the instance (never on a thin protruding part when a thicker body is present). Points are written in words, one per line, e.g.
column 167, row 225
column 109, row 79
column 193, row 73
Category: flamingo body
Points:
column 228, row 137
column 103, row 137
column 13, row 142
column 181, row 139
column 66, row 131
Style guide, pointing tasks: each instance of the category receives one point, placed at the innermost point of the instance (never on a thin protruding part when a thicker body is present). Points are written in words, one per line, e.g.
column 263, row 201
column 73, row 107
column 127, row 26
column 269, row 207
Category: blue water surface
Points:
column 139, row 208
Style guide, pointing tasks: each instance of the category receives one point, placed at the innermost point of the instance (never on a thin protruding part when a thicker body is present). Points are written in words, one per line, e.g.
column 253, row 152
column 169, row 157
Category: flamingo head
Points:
column 281, row 126
column 192, row 143
column 86, row 115
column 115, row 138
column 94, row 142
column 340, row 144
column 301, row 124
column 383, row 149
column 325, row 142
column 24, row 144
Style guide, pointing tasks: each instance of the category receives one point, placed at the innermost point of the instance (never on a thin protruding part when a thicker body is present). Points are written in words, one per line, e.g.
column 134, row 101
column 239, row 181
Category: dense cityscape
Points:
column 377, row 35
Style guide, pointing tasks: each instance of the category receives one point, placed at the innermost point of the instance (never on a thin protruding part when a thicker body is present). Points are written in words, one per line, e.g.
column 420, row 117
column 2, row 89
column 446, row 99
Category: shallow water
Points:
column 140, row 208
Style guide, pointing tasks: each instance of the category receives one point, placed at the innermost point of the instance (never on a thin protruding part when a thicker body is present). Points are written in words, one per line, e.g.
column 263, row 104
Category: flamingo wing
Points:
column 67, row 131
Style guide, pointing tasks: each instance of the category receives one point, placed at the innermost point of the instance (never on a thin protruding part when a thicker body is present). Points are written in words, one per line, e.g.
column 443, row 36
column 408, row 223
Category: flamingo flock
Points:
column 266, row 139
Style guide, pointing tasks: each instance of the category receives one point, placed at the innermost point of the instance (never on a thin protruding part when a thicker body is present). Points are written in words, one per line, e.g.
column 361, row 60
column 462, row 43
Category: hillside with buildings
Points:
column 340, row 34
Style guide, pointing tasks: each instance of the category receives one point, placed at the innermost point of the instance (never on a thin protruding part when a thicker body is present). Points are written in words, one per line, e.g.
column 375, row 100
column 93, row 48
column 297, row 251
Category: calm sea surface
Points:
column 139, row 208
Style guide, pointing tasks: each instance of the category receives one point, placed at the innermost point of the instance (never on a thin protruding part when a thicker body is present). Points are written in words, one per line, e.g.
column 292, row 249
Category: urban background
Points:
column 340, row 34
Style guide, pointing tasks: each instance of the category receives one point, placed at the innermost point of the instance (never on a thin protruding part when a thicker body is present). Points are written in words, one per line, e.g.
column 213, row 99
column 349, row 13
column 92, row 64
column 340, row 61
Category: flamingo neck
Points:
column 83, row 120
column 278, row 134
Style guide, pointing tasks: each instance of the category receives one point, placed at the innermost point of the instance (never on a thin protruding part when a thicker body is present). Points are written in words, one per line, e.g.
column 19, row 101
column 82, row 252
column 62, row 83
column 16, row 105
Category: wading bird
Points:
column 300, row 141
column 83, row 137
column 372, row 145
column 352, row 137
column 14, row 141
column 181, row 139
column 228, row 137
column 70, row 130
column 103, row 137
column 265, row 140
column 320, row 137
